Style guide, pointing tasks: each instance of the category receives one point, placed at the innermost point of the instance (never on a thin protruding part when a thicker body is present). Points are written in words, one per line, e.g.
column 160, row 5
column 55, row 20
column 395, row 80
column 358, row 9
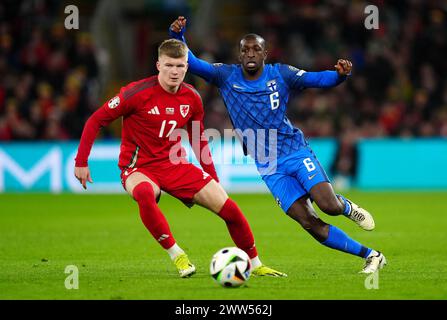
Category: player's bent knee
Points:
column 304, row 216
column 212, row 196
column 143, row 192
column 307, row 224
column 315, row 227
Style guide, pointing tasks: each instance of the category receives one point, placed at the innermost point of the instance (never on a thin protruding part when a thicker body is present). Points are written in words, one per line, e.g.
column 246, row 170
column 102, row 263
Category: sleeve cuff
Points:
column 81, row 163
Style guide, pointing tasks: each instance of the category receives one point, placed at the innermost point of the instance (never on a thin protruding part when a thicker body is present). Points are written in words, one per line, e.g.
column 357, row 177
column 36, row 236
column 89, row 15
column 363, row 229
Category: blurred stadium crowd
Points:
column 49, row 75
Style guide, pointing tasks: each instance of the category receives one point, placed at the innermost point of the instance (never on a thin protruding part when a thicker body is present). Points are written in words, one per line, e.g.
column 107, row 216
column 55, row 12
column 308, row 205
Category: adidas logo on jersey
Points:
column 154, row 110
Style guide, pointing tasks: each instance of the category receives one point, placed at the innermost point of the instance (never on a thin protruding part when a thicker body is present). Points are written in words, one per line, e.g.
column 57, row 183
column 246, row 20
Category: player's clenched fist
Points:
column 178, row 24
column 83, row 175
column 343, row 67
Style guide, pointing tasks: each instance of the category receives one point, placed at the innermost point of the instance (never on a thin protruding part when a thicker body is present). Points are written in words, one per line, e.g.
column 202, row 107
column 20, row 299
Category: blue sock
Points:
column 339, row 240
column 347, row 209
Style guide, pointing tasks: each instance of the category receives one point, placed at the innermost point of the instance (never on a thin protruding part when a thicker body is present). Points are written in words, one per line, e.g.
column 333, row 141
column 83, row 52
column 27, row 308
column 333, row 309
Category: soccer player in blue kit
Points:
column 256, row 96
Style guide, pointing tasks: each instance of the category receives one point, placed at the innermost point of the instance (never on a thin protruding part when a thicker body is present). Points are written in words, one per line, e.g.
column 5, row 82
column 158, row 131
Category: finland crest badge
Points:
column 271, row 85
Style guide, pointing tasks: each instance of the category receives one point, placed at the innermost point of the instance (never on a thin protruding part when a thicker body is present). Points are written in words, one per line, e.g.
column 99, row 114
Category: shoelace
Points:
column 357, row 215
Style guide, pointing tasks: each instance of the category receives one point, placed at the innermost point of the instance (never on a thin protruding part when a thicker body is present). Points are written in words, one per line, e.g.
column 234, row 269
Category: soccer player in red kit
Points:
column 152, row 109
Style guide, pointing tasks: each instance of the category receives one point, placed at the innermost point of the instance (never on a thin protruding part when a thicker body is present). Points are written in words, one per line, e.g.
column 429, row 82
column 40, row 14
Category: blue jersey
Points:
column 257, row 108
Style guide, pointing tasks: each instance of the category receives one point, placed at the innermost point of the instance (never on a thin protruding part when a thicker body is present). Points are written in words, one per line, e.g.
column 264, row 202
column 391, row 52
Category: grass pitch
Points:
column 118, row 259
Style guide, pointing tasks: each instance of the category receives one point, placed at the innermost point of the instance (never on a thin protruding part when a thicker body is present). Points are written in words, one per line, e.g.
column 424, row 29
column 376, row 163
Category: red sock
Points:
column 151, row 215
column 238, row 227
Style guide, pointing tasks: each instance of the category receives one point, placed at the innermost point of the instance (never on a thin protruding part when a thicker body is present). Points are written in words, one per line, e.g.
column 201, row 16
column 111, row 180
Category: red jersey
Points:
column 150, row 115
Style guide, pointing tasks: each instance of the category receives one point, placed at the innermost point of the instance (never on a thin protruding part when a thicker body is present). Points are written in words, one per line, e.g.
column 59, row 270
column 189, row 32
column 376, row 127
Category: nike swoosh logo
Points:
column 126, row 173
column 311, row 177
column 237, row 87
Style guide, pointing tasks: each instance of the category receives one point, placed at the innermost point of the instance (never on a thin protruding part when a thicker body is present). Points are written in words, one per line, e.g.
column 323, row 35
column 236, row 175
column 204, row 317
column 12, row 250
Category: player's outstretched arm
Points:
column 327, row 79
column 110, row 111
column 197, row 66
column 91, row 129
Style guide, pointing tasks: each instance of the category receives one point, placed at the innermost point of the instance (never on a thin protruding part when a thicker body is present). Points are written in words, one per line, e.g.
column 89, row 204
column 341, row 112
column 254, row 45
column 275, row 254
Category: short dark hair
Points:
column 253, row 36
column 172, row 48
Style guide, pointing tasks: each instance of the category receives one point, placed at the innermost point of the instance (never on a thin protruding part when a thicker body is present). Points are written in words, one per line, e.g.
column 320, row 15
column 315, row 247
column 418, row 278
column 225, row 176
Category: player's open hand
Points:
column 83, row 175
column 178, row 24
column 343, row 67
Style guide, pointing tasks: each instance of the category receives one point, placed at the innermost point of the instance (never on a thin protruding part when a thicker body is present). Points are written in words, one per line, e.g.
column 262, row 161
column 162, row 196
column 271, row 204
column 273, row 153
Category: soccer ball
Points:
column 230, row 267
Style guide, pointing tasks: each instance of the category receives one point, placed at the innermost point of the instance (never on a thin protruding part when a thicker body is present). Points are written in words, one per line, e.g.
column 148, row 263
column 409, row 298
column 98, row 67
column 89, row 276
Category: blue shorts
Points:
column 294, row 176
